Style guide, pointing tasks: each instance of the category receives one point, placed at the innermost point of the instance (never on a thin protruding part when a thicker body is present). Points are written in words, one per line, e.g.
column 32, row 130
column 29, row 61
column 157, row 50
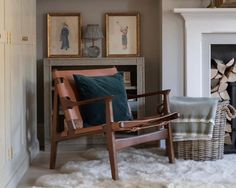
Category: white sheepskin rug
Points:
column 142, row 168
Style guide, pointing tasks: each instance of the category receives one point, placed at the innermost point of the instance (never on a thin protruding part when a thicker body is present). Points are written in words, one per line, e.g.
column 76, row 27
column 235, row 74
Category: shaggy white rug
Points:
column 142, row 168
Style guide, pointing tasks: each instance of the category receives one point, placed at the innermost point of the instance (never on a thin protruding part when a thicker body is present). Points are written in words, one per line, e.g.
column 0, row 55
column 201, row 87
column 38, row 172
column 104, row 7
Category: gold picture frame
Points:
column 63, row 35
column 225, row 3
column 122, row 34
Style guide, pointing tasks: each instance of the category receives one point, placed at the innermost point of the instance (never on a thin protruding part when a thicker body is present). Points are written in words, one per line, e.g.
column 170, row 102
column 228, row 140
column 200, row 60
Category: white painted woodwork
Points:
column 201, row 26
column 30, row 97
column 7, row 99
column 18, row 141
column 16, row 101
column 1, row 20
column 2, row 109
column 27, row 17
column 13, row 20
column 7, row 124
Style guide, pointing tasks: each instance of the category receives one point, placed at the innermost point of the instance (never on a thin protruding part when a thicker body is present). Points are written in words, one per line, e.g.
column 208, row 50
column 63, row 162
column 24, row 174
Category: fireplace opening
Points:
column 223, row 85
column 224, row 52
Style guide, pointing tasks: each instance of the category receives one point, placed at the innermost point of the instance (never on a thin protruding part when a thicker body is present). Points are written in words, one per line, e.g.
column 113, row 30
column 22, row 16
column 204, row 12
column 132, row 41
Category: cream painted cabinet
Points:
column 17, row 132
column 2, row 110
column 17, row 89
column 16, row 153
column 28, row 19
column 2, row 104
column 13, row 20
column 2, row 21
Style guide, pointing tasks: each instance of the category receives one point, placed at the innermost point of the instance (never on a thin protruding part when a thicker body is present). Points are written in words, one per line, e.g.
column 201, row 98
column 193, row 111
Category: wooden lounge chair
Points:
column 66, row 94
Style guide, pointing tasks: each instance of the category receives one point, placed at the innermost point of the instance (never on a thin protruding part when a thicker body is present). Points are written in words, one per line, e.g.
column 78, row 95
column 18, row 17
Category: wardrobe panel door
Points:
column 1, row 20
column 7, row 98
column 17, row 102
column 13, row 20
column 27, row 18
column 2, row 110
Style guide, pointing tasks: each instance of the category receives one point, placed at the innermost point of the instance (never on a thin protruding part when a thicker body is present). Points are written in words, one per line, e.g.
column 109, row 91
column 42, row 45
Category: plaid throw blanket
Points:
column 197, row 117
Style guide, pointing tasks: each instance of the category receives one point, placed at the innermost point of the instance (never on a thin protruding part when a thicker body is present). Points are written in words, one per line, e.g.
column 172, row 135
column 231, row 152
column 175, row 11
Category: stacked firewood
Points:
column 221, row 75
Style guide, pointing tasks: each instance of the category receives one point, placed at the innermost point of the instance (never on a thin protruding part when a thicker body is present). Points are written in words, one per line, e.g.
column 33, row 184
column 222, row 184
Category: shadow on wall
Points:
column 151, row 18
column 31, row 119
column 40, row 102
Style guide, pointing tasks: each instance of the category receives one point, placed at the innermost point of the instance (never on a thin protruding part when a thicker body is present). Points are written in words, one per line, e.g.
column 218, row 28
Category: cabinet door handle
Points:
column 0, row 35
column 25, row 38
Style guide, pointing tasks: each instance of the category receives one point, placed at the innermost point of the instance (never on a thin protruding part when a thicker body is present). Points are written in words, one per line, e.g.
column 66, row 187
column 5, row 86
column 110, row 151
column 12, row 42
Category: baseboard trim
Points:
column 19, row 173
column 14, row 176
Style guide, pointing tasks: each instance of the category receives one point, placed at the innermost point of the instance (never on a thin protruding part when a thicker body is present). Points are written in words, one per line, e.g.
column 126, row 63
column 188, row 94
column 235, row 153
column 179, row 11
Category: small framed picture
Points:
column 122, row 34
column 64, row 34
column 226, row 3
column 127, row 78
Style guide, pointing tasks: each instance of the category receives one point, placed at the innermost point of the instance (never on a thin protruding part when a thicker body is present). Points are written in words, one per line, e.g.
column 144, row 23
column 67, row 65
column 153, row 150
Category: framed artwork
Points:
column 225, row 3
column 64, row 34
column 127, row 78
column 122, row 34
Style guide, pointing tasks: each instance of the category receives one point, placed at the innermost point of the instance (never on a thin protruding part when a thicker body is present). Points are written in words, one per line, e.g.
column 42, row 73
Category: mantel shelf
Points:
column 204, row 11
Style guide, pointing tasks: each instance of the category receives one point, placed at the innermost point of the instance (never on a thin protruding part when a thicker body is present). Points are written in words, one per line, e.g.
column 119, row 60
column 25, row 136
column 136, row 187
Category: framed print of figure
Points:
column 64, row 34
column 122, row 34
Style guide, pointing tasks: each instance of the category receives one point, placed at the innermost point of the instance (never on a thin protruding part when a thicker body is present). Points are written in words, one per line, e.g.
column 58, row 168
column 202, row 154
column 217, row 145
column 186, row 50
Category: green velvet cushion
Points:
column 99, row 86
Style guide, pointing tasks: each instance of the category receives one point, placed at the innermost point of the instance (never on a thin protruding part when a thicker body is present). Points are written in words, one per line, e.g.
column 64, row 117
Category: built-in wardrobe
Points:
column 18, row 143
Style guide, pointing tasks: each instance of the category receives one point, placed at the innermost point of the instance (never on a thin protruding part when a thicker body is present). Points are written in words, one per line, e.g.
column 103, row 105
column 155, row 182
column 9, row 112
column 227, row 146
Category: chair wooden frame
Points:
column 65, row 92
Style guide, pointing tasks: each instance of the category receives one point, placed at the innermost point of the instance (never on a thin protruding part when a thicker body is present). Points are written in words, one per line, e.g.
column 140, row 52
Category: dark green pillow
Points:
column 100, row 86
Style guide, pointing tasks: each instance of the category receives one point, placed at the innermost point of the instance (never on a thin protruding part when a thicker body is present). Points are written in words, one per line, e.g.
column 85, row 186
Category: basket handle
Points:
column 230, row 112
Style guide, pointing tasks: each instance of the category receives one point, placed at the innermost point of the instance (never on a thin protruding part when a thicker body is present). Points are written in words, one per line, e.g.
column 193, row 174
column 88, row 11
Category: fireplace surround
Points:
column 204, row 28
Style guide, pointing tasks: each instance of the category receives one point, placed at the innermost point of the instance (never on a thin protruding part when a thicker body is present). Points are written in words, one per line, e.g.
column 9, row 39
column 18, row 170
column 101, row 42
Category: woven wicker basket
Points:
column 204, row 150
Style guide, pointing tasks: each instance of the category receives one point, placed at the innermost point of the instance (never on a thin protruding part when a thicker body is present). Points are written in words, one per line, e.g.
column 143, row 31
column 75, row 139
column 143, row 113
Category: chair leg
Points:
column 54, row 119
column 53, row 155
column 112, row 154
column 169, row 145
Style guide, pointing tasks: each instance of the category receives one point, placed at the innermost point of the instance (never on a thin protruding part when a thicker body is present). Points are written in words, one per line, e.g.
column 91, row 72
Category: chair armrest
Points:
column 67, row 103
column 145, row 123
column 162, row 92
column 164, row 107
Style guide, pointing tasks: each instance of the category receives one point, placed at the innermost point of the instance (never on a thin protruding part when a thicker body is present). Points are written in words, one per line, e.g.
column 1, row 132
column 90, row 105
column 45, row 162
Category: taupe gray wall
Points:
column 173, row 43
column 92, row 11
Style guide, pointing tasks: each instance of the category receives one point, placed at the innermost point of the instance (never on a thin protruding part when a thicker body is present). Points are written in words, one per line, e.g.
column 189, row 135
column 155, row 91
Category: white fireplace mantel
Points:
column 200, row 22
